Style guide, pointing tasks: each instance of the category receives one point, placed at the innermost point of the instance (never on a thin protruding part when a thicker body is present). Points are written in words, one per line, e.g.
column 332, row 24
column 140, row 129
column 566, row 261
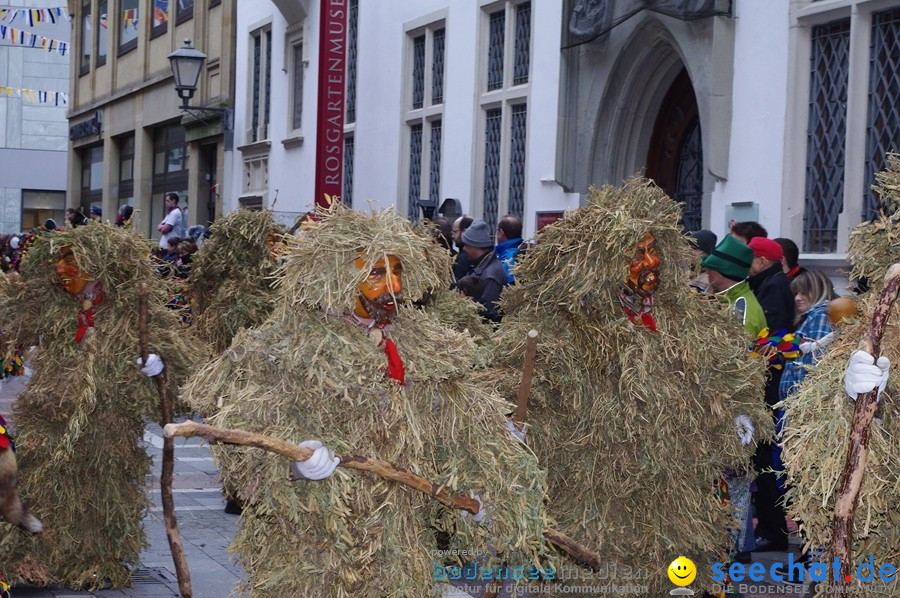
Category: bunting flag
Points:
column 57, row 98
column 34, row 16
column 18, row 37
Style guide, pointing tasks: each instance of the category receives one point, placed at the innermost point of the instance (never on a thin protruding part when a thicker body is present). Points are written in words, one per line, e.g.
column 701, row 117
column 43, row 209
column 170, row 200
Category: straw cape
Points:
column 230, row 280
column 635, row 427
column 310, row 372
column 82, row 468
column 819, row 416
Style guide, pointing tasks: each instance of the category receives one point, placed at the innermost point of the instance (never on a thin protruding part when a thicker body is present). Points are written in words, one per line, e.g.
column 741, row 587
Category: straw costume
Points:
column 312, row 371
column 819, row 415
column 81, row 467
column 634, row 398
column 230, row 280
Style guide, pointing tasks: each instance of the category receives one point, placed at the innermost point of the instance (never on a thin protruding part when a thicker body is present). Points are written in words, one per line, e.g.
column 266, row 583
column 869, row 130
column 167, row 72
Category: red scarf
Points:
column 646, row 318
column 86, row 316
column 396, row 370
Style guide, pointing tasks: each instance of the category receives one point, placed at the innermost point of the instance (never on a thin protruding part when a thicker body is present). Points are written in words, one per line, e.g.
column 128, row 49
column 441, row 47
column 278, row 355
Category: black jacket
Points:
column 773, row 291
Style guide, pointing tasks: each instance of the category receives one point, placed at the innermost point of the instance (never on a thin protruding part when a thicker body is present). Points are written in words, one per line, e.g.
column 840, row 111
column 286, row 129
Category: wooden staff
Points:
column 383, row 469
column 168, row 458
column 858, row 449
column 525, row 384
column 295, row 453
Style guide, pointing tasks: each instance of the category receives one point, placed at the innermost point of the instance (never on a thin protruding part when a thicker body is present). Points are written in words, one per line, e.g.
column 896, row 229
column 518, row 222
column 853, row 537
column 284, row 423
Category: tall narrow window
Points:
column 826, row 135
column 170, row 171
column 424, row 115
column 160, row 17
column 352, row 43
column 415, row 171
column 297, row 85
column 347, row 192
column 126, row 170
column 883, row 118
column 185, row 11
column 504, row 103
column 87, row 38
column 91, row 177
column 102, row 31
column 128, row 25
column 261, row 82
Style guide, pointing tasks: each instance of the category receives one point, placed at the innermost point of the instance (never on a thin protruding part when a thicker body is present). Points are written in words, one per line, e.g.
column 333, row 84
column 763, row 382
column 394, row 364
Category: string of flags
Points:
column 57, row 98
column 17, row 37
column 34, row 16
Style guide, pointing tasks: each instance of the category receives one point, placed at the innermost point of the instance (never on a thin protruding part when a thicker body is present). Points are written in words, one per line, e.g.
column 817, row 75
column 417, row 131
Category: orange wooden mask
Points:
column 643, row 271
column 72, row 279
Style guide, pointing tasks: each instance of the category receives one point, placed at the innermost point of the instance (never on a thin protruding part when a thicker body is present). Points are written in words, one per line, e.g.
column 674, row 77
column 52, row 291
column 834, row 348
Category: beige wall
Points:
column 135, row 93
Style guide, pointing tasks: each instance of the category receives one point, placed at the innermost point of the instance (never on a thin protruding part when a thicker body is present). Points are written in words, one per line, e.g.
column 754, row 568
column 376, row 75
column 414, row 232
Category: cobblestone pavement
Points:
column 206, row 530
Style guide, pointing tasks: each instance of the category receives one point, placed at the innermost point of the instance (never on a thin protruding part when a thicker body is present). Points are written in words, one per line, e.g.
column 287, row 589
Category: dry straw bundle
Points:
column 635, row 427
column 310, row 372
column 819, row 416
column 82, row 469
column 230, row 281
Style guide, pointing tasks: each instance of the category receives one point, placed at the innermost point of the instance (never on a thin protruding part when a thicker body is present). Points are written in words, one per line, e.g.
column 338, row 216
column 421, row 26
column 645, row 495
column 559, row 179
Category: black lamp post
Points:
column 186, row 63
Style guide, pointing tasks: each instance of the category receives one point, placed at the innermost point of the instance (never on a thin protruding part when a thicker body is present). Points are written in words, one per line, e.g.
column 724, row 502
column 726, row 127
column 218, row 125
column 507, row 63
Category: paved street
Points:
column 206, row 530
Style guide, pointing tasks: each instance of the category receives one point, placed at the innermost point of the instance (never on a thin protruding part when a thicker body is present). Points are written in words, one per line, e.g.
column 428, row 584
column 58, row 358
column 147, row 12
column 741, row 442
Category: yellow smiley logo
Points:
column 682, row 571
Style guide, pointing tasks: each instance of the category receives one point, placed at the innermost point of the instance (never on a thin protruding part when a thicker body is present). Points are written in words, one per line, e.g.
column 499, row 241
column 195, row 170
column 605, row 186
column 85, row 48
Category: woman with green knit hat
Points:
column 728, row 267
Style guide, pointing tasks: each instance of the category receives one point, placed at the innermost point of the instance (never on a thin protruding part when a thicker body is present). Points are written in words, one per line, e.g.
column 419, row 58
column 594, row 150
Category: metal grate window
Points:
column 883, row 121
column 297, row 83
column 437, row 67
column 518, row 128
column 347, row 191
column 495, row 50
column 352, row 29
column 257, row 75
column 418, row 74
column 824, row 196
column 689, row 187
column 492, row 141
column 415, row 171
column 434, row 173
column 268, row 79
column 523, row 44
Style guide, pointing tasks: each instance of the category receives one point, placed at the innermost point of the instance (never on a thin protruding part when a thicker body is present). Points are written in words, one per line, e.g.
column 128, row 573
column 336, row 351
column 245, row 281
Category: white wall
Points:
column 378, row 166
column 758, row 123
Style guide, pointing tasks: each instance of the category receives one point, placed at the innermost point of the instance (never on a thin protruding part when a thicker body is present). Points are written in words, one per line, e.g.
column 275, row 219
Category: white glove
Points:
column 745, row 429
column 863, row 374
column 154, row 365
column 810, row 346
column 517, row 433
column 481, row 514
column 318, row 467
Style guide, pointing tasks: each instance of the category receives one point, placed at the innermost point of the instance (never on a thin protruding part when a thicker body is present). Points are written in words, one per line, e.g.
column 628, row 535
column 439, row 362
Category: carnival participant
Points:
column 637, row 384
column 347, row 365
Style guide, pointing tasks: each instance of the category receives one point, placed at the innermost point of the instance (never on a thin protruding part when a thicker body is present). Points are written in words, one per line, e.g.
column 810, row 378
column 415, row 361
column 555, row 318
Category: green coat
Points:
column 746, row 307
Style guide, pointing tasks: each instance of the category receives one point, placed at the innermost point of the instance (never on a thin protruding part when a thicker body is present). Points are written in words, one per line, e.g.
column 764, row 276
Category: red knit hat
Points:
column 767, row 248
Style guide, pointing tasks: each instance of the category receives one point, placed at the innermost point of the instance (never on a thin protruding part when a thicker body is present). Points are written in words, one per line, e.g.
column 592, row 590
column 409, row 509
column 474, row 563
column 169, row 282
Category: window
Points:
column 352, row 42
column 260, row 84
column 160, row 18
column 126, row 169
column 347, row 191
column 170, row 160
column 128, row 27
column 504, row 103
column 298, row 68
column 185, row 11
column 102, row 31
column 87, row 38
column 424, row 115
column 91, row 177
column 39, row 206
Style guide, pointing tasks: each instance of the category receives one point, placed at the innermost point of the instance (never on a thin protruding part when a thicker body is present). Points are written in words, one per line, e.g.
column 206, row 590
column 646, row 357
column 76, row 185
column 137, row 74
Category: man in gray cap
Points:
column 479, row 246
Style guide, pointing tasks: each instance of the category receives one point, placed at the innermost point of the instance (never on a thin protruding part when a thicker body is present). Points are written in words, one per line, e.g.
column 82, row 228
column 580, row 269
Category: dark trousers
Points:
column 767, row 500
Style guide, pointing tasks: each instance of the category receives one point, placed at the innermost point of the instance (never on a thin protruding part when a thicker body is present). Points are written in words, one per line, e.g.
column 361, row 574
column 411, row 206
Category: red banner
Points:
column 330, row 118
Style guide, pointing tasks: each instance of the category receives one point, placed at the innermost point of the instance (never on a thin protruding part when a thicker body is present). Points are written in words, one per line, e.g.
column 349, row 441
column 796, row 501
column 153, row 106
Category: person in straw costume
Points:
column 819, row 416
column 346, row 364
column 637, row 386
column 81, row 418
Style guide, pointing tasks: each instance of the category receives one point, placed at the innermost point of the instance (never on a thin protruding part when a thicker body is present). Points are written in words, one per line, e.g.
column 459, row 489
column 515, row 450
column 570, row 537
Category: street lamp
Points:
column 186, row 63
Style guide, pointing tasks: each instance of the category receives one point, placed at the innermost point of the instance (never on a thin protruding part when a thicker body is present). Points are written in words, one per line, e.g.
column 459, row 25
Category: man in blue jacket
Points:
column 509, row 240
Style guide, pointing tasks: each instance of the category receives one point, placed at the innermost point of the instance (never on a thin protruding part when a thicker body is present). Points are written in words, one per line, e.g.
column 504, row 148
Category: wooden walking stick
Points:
column 858, row 448
column 380, row 468
column 168, row 458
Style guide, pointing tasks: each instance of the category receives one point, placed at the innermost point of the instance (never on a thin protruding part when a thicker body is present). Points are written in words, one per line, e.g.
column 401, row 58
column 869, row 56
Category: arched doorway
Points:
column 675, row 156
